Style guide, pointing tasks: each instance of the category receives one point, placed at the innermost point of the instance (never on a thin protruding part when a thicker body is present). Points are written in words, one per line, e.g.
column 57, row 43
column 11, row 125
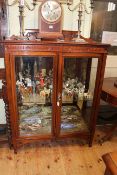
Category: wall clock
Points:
column 50, row 19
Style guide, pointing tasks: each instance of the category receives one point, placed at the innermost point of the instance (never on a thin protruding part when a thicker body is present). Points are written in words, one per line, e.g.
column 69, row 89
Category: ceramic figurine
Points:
column 41, row 79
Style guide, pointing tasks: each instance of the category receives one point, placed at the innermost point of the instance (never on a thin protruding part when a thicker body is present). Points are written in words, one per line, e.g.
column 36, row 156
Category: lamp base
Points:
column 80, row 40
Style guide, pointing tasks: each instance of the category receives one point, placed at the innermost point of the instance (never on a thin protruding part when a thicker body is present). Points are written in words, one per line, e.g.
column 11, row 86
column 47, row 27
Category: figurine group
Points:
column 41, row 85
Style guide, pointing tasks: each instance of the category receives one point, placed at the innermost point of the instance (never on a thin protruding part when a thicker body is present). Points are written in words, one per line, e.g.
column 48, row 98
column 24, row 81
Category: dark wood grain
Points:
column 110, row 160
column 109, row 91
column 3, row 138
column 109, row 95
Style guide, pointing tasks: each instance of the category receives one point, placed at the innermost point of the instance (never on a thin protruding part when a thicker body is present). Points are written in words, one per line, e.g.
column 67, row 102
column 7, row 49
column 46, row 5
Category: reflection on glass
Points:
column 34, row 86
column 77, row 93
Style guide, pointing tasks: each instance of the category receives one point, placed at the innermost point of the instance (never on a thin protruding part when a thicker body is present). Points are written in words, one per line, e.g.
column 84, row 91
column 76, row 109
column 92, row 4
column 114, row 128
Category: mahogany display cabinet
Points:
column 53, row 89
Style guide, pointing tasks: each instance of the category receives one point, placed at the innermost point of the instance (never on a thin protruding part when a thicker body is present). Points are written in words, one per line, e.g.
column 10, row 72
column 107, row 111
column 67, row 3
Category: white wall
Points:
column 111, row 66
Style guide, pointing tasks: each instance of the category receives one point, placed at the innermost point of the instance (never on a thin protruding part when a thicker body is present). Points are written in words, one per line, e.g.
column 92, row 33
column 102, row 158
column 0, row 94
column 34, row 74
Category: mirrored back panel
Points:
column 34, row 89
column 78, row 86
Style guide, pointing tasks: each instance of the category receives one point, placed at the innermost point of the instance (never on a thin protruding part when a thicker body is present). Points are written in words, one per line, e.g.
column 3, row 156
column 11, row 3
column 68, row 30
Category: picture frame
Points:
column 104, row 20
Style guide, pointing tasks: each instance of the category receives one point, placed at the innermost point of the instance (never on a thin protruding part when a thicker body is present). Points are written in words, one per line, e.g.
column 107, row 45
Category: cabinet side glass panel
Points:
column 79, row 78
column 34, row 89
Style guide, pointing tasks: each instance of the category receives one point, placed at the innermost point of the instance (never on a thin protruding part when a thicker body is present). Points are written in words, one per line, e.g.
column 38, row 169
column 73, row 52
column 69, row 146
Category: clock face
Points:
column 51, row 11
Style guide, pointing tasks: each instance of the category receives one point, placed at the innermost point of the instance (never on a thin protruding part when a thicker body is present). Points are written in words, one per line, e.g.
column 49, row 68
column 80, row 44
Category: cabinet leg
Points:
column 90, row 143
column 15, row 151
column 10, row 144
column 107, row 172
column 90, row 140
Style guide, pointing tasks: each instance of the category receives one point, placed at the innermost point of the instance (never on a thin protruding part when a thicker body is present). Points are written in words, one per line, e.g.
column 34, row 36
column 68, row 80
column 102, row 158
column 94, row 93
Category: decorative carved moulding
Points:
column 2, row 74
column 2, row 77
column 3, row 95
column 5, row 99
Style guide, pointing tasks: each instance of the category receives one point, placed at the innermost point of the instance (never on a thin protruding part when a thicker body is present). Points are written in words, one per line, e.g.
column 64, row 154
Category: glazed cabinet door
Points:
column 76, row 91
column 34, row 93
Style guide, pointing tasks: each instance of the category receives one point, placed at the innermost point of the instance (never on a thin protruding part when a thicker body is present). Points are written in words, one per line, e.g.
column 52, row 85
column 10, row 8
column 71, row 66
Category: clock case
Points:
column 49, row 29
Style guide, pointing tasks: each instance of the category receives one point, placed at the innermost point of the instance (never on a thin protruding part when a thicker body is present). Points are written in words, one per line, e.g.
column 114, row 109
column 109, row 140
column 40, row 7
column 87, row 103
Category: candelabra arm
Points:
column 28, row 7
column 86, row 10
column 75, row 8
column 13, row 3
column 81, row 5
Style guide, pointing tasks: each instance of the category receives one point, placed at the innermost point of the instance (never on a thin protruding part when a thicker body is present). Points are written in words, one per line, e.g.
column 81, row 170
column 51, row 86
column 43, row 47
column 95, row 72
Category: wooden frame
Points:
column 104, row 19
column 110, row 160
column 59, row 50
column 13, row 87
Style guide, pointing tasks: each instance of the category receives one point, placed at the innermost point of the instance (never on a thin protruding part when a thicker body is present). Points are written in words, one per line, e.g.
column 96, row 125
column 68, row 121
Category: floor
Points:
column 70, row 157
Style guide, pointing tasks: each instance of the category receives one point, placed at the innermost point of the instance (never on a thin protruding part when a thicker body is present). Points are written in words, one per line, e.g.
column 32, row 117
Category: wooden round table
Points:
column 109, row 95
column 109, row 91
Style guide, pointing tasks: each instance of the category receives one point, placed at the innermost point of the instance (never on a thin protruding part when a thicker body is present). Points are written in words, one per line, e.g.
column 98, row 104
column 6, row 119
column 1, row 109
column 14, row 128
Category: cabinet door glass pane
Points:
column 34, row 88
column 79, row 77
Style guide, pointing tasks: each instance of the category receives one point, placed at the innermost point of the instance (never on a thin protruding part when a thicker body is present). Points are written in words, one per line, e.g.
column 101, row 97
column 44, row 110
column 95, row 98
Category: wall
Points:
column 69, row 23
column 111, row 66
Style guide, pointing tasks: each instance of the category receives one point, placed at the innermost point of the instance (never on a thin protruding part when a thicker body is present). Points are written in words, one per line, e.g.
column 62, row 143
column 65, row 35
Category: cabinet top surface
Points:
column 58, row 42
